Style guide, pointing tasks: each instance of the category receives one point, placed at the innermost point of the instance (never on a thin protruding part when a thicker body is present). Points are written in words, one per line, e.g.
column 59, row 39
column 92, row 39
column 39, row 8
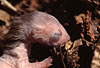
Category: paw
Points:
column 47, row 62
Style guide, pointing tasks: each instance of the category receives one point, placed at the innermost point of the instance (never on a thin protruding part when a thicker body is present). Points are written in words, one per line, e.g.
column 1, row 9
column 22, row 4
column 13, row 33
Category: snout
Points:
column 64, row 38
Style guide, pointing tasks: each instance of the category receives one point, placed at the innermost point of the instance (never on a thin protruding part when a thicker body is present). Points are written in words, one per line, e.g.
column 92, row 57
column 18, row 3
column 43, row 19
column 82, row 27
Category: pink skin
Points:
column 21, row 61
column 45, row 29
column 49, row 32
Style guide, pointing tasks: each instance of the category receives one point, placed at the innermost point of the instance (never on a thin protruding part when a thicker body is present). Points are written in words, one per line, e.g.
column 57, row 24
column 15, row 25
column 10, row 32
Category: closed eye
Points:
column 55, row 37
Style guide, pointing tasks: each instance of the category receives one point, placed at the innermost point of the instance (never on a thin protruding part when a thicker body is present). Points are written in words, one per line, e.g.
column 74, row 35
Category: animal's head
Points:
column 47, row 30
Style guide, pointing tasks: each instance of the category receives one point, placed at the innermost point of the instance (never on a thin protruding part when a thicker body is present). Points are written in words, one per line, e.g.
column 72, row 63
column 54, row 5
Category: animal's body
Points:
column 34, row 27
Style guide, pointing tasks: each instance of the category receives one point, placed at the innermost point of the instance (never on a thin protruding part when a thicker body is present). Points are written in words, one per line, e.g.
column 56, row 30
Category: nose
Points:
column 64, row 37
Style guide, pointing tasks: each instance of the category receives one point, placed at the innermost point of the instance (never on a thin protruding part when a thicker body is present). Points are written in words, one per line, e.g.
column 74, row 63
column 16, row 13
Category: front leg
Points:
column 43, row 64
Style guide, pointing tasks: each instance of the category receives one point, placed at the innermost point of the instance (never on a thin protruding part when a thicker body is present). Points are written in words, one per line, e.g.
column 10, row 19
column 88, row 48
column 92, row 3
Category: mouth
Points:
column 67, row 44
